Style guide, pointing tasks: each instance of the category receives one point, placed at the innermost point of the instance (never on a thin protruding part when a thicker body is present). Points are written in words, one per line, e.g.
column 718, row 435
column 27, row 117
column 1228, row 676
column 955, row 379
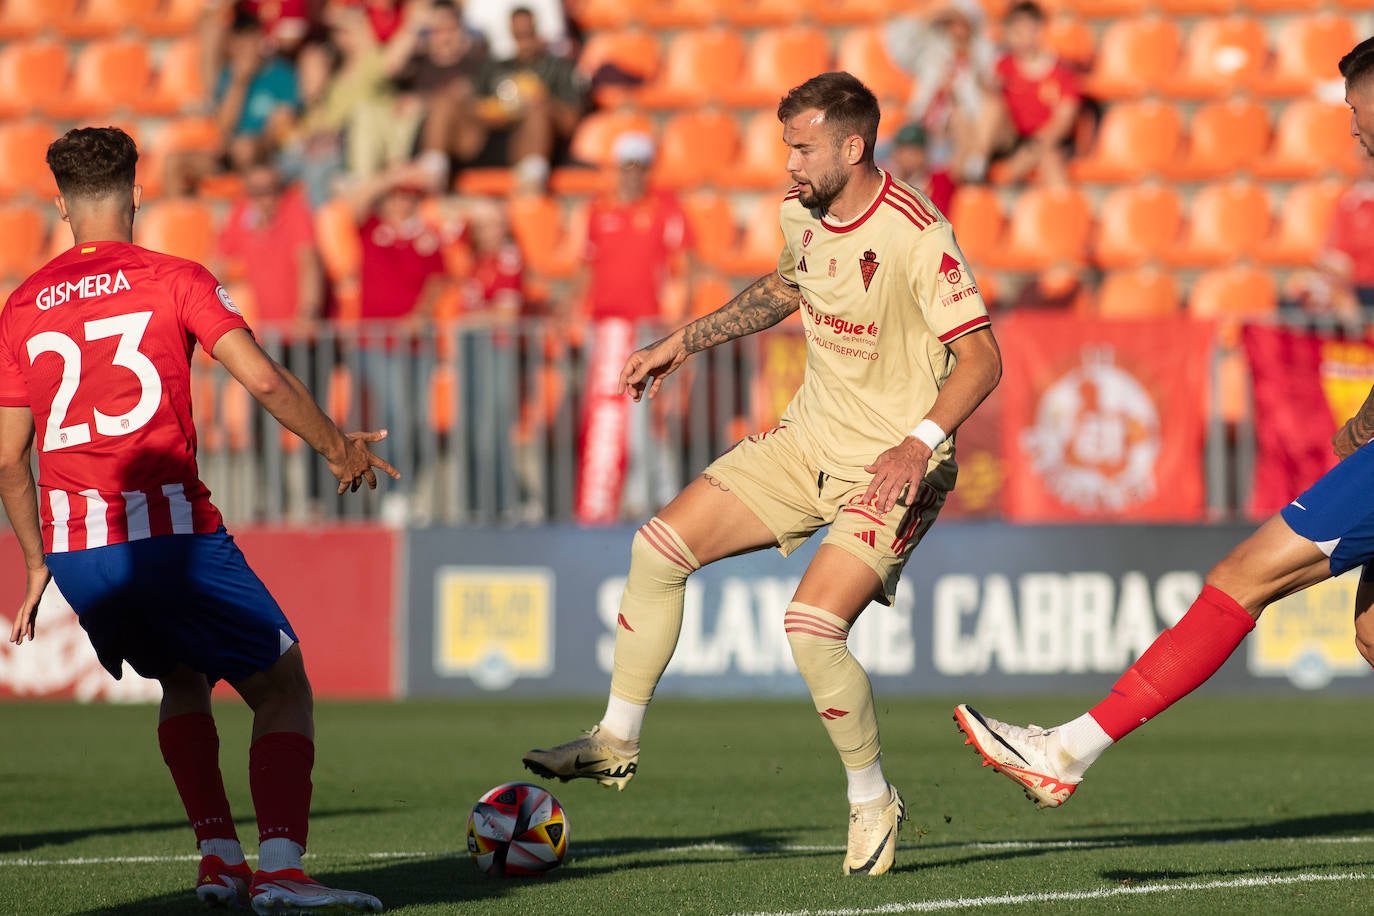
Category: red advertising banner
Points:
column 337, row 586
column 605, row 424
column 1305, row 387
column 1102, row 420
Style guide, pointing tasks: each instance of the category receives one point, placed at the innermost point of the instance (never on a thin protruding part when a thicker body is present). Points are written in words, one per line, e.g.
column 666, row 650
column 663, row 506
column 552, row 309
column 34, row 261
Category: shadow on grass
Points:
column 452, row 879
column 1295, row 828
column 26, row 842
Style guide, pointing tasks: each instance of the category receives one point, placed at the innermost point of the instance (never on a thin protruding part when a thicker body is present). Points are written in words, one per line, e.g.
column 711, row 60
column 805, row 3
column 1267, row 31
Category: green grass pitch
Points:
column 1223, row 805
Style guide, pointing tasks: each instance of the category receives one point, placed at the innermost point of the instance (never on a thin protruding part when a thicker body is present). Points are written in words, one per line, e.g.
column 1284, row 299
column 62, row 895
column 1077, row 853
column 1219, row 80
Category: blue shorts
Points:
column 1337, row 512
column 182, row 599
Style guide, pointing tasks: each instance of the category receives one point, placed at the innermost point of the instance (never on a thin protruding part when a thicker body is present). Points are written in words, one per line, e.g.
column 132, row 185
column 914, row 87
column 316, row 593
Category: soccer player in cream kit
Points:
column 95, row 356
column 900, row 351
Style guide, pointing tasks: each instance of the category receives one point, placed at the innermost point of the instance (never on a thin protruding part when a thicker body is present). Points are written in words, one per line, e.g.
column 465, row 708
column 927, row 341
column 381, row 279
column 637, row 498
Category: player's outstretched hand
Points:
column 28, row 611
column 361, row 463
column 646, row 368
column 1345, row 441
column 896, row 471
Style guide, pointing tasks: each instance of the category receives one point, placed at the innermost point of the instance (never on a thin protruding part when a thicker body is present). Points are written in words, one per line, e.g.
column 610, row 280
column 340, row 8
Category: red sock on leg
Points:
column 190, row 747
column 279, row 765
column 1176, row 663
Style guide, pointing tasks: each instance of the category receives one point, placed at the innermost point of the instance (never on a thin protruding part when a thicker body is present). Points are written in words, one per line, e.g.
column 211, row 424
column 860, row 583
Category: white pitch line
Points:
column 578, row 851
column 968, row 903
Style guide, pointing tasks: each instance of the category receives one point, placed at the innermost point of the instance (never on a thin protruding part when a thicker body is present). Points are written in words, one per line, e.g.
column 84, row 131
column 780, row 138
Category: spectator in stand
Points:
column 525, row 108
column 1341, row 283
column 436, row 61
column 1042, row 97
column 269, row 233
column 493, row 304
column 638, row 244
column 955, row 96
column 402, row 277
column 494, row 20
column 909, row 161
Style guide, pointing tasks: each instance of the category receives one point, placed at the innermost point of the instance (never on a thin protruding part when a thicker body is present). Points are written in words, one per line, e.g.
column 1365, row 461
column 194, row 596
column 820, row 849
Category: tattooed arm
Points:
column 1358, row 430
column 761, row 305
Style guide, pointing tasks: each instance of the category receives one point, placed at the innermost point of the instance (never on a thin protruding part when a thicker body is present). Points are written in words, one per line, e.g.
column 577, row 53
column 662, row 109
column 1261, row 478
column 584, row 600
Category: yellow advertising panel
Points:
column 493, row 624
column 1310, row 637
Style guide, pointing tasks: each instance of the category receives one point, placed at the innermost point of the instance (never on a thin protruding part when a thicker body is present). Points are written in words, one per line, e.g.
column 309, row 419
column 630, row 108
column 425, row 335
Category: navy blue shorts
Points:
column 1337, row 512
column 181, row 599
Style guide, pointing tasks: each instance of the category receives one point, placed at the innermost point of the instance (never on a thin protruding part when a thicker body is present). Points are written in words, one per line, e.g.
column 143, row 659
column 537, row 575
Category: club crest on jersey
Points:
column 807, row 236
column 85, row 288
column 834, row 264
column 868, row 266
column 951, row 269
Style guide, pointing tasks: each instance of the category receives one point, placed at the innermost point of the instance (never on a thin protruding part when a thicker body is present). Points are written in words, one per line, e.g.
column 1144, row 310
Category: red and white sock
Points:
column 190, row 748
column 1175, row 664
column 279, row 765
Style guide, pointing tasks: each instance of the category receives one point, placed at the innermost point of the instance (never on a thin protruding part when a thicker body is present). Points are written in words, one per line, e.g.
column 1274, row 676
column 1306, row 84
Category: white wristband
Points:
column 929, row 432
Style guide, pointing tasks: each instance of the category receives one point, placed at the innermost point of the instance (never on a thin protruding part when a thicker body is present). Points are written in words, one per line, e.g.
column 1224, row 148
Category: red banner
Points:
column 1305, row 388
column 1103, row 420
column 606, row 419
column 337, row 587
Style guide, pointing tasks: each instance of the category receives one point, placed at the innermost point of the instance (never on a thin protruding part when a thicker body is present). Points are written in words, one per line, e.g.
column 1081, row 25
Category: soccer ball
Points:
column 517, row 829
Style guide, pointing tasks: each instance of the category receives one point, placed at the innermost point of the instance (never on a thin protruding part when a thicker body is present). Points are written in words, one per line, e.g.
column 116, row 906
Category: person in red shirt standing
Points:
column 637, row 244
column 401, row 278
column 1042, row 95
column 95, row 357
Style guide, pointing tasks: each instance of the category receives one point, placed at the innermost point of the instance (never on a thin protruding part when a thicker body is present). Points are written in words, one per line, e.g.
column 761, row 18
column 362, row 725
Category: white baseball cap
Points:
column 633, row 146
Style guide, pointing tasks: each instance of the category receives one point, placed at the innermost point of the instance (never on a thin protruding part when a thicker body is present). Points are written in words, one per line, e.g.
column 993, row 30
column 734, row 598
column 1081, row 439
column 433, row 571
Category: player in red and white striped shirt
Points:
column 95, row 355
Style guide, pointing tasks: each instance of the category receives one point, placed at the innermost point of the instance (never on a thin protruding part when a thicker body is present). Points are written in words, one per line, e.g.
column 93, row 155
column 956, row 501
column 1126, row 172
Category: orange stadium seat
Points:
column 598, row 15
column 848, row 12
column 174, row 18
column 33, row 76
column 1306, row 54
column 23, row 239
column 861, row 52
column 595, row 135
column 23, row 163
column 1311, row 139
column 1196, row 7
column 1232, row 294
column 777, row 60
column 1226, row 221
column 1049, row 227
column 1263, row 7
column 760, row 242
column 1073, row 40
column 749, row 14
column 183, row 226
column 1304, row 221
column 1135, row 56
column 696, row 147
column 337, row 240
column 1136, row 139
column 686, row 14
column 1138, row 224
column 712, row 224
column 633, row 51
column 179, row 82
column 1104, row 9
column 978, row 221
column 698, row 67
column 493, row 181
column 21, row 19
column 106, row 18
column 1224, row 138
column 544, row 237
column 1145, row 292
column 1221, row 56
column 709, row 292
column 762, row 162
column 107, row 76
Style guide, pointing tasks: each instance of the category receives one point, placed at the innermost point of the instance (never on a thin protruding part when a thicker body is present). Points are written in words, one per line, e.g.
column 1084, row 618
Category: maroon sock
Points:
column 190, row 747
column 279, row 765
column 1176, row 663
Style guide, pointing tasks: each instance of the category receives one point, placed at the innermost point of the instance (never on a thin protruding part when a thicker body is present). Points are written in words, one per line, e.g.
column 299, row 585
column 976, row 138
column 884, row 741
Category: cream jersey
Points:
column 881, row 297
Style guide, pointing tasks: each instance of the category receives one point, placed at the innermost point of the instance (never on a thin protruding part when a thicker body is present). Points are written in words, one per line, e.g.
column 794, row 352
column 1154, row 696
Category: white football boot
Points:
column 1020, row 754
column 873, row 828
column 293, row 891
column 598, row 755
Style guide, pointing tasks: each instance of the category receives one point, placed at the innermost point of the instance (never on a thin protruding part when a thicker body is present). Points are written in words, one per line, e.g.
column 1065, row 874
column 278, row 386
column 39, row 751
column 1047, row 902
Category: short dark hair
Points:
column 93, row 161
column 848, row 105
column 1358, row 63
column 1027, row 8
